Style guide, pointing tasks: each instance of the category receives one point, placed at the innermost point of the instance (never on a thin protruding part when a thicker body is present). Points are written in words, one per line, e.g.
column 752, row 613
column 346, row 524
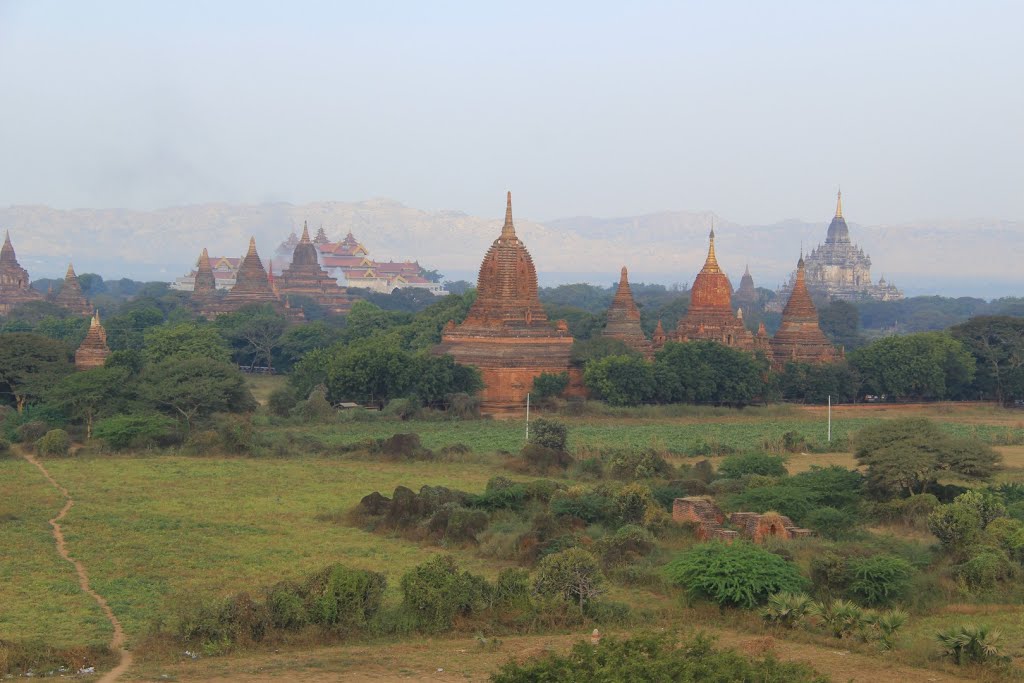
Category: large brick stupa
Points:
column 624, row 319
column 507, row 334
column 799, row 337
column 71, row 296
column 306, row 277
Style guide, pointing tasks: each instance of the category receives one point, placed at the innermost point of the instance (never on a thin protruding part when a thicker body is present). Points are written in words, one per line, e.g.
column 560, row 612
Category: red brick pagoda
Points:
column 93, row 351
column 507, row 334
column 799, row 337
column 15, row 287
column 306, row 277
column 624, row 319
column 70, row 295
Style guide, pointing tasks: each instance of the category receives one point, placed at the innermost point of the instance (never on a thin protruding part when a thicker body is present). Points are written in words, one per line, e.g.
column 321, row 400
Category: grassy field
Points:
column 154, row 530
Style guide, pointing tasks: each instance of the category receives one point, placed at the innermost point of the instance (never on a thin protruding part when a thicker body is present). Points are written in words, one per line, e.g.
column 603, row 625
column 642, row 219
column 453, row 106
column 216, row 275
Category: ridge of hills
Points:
column 952, row 257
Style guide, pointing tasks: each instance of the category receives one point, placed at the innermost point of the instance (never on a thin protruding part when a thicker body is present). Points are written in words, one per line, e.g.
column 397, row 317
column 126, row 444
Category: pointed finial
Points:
column 508, row 231
column 252, row 247
column 305, row 232
column 712, row 235
column 624, row 276
column 711, row 264
column 71, row 271
column 839, row 203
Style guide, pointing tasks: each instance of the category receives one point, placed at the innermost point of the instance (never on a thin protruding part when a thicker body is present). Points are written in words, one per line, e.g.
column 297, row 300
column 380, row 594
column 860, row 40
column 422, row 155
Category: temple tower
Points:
column 710, row 316
column 799, row 337
column 507, row 334
column 746, row 295
column 70, row 295
column 624, row 319
column 206, row 283
column 252, row 286
column 306, row 277
column 15, row 287
column 93, row 351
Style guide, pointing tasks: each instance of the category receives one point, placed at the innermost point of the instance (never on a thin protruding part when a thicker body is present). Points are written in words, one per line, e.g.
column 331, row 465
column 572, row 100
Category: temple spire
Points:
column 839, row 204
column 508, row 231
column 624, row 276
column 711, row 264
column 305, row 233
column 252, row 247
column 71, row 271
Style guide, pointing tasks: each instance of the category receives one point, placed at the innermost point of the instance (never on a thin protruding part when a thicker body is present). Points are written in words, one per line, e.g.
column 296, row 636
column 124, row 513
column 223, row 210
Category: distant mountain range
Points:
column 965, row 258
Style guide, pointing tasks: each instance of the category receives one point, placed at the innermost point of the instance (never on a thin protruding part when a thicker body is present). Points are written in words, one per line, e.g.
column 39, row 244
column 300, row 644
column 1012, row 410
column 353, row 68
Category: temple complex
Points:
column 93, row 351
column 204, row 282
column 304, row 276
column 746, row 295
column 839, row 269
column 799, row 337
column 507, row 334
column 624, row 319
column 15, row 287
column 70, row 295
column 224, row 269
column 710, row 316
column 252, row 286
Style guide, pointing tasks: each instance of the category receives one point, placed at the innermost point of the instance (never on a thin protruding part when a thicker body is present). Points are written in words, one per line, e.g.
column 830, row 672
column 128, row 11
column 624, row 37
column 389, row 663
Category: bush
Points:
column 549, row 434
column 402, row 447
column 984, row 570
column 403, row 408
column 235, row 433
column 879, row 580
column 55, row 442
column 282, row 400
column 625, row 545
column 786, row 609
column 572, row 574
column 739, row 574
column 457, row 525
column 435, row 593
column 543, row 460
column 829, row 575
column 631, row 503
column 971, row 644
column 629, row 464
column 547, row 385
column 31, row 431
column 792, row 501
column 841, row 617
column 137, row 431
column 588, row 506
column 316, row 408
column 832, row 523
column 344, row 599
column 736, row 466
column 648, row 657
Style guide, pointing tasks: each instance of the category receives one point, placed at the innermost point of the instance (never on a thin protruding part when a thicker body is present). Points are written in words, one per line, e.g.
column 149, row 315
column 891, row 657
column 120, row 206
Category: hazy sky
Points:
column 754, row 110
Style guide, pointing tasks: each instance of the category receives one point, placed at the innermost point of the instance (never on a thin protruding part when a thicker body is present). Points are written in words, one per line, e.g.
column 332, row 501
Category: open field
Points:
column 155, row 530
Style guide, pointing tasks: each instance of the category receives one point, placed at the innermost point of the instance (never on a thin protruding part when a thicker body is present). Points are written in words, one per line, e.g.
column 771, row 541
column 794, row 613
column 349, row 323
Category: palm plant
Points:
column 887, row 624
column 971, row 644
column 786, row 609
column 842, row 617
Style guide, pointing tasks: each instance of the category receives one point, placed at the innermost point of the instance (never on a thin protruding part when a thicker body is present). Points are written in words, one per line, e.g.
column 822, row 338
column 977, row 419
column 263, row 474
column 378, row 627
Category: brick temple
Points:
column 624, row 319
column 799, row 337
column 71, row 296
column 15, row 286
column 93, row 351
column 507, row 334
column 304, row 276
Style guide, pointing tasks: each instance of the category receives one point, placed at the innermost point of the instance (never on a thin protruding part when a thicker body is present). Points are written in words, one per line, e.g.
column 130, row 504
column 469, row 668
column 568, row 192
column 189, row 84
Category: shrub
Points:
column 5, row 446
column 286, row 604
column 463, row 405
column 316, row 408
column 842, row 617
column 402, row 447
column 887, row 624
column 31, row 431
column 736, row 466
column 831, row 523
column 629, row 464
column 547, row 385
column 457, row 525
column 436, row 592
column 786, row 609
column 549, row 434
column 137, row 431
column 956, row 526
column 344, row 599
column 829, row 575
column 589, row 506
column 631, row 503
column 792, row 501
column 235, row 433
column 403, row 408
column 542, row 460
column 54, row 442
column 913, row 511
column 649, row 657
column 971, row 644
column 880, row 579
column 1008, row 534
column 625, row 545
column 572, row 574
column 984, row 570
column 739, row 574
column 512, row 589
column 282, row 400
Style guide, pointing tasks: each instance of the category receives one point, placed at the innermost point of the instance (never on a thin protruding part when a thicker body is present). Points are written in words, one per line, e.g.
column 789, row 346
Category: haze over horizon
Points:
column 757, row 112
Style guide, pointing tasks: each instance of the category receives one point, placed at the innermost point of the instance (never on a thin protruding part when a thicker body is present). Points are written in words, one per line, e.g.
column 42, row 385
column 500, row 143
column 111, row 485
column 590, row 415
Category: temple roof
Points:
column 711, row 288
column 305, row 251
column 799, row 336
column 838, row 232
column 7, row 251
column 623, row 300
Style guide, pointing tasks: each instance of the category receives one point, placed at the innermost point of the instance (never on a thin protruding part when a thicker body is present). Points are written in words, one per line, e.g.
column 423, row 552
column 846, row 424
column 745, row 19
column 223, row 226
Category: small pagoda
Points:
column 15, row 287
column 71, row 296
column 252, row 286
column 746, row 295
column 624, row 319
column 710, row 316
column 93, row 351
column 306, row 277
column 799, row 337
column 507, row 334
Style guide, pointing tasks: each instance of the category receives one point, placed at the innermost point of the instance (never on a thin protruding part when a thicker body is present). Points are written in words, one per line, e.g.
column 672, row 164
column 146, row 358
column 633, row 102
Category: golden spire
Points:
column 305, row 232
column 508, row 231
column 839, row 204
column 711, row 264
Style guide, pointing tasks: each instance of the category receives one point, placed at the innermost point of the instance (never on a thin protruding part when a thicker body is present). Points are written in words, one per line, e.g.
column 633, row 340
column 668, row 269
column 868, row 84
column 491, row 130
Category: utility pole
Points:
column 527, row 418
column 830, row 418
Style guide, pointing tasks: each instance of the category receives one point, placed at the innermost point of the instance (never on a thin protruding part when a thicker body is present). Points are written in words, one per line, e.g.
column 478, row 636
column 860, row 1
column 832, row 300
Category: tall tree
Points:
column 30, row 365
column 192, row 387
column 997, row 343
column 91, row 394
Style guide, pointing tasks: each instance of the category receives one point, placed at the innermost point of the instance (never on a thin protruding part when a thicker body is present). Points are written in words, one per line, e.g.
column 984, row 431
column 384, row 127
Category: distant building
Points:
column 624, row 319
column 746, row 295
column 799, row 338
column 839, row 269
column 225, row 270
column 350, row 264
column 15, row 288
column 93, row 351
column 305, row 277
column 71, row 296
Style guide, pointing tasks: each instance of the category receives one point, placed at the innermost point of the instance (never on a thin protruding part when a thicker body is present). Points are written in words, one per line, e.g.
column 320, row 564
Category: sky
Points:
column 755, row 110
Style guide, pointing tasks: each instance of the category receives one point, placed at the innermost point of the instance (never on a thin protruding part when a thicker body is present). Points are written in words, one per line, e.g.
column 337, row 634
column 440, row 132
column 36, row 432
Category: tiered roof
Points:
column 206, row 282
column 15, row 287
column 251, row 283
column 746, row 294
column 799, row 337
column 93, row 351
column 306, row 277
column 624, row 318
column 70, row 295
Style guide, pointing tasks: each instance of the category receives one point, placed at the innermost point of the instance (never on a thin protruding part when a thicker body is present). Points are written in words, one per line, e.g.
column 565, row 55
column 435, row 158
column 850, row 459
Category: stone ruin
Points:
column 709, row 520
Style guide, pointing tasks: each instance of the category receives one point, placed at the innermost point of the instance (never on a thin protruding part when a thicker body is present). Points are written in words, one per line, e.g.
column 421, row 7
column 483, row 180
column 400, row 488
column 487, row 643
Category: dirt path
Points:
column 117, row 641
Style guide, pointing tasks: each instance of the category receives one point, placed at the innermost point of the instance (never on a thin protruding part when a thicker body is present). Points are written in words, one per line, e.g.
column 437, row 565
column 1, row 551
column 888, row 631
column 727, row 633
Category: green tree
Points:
column 254, row 332
column 573, row 574
column 840, row 321
column 906, row 456
column 126, row 330
column 709, row 372
column 91, row 394
column 997, row 344
column 183, row 340
column 192, row 387
column 738, row 574
column 928, row 365
column 549, row 384
column 621, row 380
column 30, row 365
column 816, row 383
column 299, row 340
